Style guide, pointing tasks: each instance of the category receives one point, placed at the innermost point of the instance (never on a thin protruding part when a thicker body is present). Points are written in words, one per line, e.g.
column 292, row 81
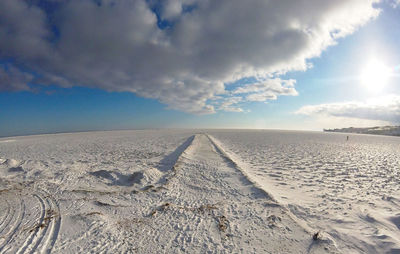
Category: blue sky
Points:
column 69, row 88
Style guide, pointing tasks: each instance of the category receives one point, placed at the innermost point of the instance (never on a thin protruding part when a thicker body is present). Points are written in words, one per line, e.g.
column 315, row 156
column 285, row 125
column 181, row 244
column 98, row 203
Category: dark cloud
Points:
column 181, row 52
column 12, row 79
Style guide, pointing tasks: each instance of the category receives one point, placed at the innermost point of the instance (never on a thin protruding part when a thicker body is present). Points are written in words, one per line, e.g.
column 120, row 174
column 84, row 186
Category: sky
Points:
column 131, row 64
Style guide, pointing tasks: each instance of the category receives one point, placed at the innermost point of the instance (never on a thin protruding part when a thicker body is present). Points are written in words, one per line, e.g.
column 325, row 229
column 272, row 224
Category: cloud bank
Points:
column 12, row 79
column 383, row 109
column 180, row 52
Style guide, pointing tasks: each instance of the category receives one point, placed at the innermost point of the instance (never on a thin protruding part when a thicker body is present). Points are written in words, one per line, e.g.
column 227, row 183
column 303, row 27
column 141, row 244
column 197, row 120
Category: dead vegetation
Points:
column 201, row 209
column 87, row 191
column 273, row 220
column 161, row 208
column 99, row 203
column 50, row 214
column 207, row 208
column 4, row 191
column 222, row 223
column 317, row 236
column 13, row 188
column 93, row 213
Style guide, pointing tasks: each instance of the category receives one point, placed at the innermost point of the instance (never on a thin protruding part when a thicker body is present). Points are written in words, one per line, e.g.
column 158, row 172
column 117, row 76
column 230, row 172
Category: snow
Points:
column 347, row 189
column 197, row 191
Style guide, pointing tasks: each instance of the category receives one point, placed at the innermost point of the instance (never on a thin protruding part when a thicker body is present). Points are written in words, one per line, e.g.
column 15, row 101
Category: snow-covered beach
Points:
column 199, row 191
column 348, row 189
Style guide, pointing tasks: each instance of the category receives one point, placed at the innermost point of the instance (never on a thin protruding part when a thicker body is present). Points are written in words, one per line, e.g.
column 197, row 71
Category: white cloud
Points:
column 230, row 104
column 385, row 109
column 171, row 9
column 269, row 89
column 119, row 46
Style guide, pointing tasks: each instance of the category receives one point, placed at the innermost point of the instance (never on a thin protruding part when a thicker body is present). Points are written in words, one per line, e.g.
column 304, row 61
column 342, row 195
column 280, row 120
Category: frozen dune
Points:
column 185, row 191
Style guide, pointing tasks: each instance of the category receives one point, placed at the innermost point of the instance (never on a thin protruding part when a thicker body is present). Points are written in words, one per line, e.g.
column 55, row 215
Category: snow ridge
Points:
column 238, row 165
column 241, row 166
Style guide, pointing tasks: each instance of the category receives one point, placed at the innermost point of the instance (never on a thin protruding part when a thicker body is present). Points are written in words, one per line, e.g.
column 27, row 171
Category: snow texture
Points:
column 185, row 191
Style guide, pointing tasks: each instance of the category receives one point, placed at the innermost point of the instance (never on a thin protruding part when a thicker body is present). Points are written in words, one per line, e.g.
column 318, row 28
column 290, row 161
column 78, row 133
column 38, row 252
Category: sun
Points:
column 375, row 75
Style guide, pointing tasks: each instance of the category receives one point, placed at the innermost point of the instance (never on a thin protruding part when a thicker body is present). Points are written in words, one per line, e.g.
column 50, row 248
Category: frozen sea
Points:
column 349, row 189
column 179, row 191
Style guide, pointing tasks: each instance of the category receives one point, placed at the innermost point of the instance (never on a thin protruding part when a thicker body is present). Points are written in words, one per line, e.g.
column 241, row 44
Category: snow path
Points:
column 212, row 206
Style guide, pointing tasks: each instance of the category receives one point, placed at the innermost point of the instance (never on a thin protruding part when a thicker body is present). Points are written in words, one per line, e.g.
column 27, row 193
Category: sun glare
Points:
column 375, row 75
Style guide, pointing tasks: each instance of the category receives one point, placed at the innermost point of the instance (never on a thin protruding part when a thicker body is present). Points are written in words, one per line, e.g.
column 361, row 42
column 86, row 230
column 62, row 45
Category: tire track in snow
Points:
column 43, row 235
column 172, row 161
column 43, row 227
column 36, row 232
column 200, row 155
column 54, row 224
column 234, row 164
column 6, row 218
column 256, row 189
column 237, row 165
column 9, row 236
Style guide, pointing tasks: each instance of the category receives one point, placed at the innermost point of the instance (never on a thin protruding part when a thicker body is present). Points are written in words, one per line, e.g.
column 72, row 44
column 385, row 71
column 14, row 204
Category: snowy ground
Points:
column 185, row 191
column 349, row 190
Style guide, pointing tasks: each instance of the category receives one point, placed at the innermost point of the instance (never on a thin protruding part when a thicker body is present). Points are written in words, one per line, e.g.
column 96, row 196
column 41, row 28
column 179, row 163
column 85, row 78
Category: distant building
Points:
column 378, row 130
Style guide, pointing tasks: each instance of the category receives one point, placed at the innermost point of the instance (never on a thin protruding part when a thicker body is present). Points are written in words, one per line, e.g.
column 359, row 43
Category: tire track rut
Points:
column 31, row 224
column 6, row 218
column 12, row 233
column 36, row 231
column 54, row 224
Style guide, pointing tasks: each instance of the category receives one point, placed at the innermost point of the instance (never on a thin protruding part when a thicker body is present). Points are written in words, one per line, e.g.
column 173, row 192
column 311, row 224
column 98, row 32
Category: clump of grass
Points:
column 161, row 208
column 273, row 220
column 4, row 191
column 46, row 221
column 317, row 236
column 166, row 205
column 206, row 208
column 222, row 223
column 88, row 191
column 93, row 213
column 200, row 209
